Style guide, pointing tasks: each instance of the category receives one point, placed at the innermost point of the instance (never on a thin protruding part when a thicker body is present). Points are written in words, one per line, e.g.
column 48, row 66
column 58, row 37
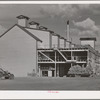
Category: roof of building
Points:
column 22, row 17
column 29, row 33
column 88, row 38
column 53, row 33
column 46, row 30
column 42, row 27
column 33, row 23
column 88, row 47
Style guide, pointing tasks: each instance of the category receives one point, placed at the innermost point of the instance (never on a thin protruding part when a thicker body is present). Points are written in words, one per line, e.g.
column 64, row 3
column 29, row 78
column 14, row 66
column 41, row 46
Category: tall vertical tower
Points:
column 67, row 34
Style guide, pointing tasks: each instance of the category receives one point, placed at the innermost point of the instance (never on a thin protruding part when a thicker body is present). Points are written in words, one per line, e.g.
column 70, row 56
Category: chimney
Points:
column 34, row 25
column 43, row 28
column 68, row 39
column 22, row 20
column 67, row 35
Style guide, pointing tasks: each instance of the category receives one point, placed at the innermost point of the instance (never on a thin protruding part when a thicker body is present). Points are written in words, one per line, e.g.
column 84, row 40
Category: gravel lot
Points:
column 51, row 84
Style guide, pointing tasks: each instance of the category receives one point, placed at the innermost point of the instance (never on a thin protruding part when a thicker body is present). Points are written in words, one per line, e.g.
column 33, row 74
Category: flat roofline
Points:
column 88, row 38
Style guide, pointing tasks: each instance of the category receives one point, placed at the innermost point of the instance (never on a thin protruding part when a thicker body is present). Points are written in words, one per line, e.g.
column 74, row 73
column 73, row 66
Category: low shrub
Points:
column 81, row 71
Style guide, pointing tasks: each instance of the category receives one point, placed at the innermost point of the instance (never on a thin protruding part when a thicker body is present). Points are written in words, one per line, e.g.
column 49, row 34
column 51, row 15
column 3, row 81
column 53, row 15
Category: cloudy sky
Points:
column 84, row 18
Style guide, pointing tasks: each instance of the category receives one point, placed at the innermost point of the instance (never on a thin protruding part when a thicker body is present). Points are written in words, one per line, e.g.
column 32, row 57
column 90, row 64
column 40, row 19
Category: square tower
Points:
column 88, row 41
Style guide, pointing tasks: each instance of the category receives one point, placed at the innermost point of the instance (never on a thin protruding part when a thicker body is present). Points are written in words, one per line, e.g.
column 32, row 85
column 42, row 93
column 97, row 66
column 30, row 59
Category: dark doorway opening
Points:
column 44, row 73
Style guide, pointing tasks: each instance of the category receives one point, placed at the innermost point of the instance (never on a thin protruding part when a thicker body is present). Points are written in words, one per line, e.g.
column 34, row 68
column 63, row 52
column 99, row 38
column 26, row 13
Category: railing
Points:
column 79, row 58
column 60, row 59
column 44, row 60
column 47, row 68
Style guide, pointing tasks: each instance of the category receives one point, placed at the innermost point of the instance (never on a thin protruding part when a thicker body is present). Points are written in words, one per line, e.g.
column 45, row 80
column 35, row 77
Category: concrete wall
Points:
column 67, row 44
column 55, row 40
column 18, row 52
column 62, row 43
column 43, row 35
column 22, row 22
column 88, row 42
column 93, row 59
column 33, row 26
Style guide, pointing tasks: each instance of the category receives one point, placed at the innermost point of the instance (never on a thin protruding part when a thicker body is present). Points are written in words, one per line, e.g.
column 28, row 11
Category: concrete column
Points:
column 88, row 60
column 36, row 69
column 57, row 70
column 50, row 40
column 39, row 72
column 58, row 41
column 55, row 63
column 64, row 43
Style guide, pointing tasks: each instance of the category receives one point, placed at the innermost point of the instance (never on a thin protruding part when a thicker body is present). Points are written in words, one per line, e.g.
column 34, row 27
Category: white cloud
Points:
column 37, row 11
column 59, row 10
column 86, row 27
column 74, row 31
column 84, row 6
column 69, row 10
column 94, row 9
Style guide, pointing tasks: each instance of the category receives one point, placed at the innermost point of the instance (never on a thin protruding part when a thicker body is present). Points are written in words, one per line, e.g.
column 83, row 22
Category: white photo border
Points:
column 49, row 94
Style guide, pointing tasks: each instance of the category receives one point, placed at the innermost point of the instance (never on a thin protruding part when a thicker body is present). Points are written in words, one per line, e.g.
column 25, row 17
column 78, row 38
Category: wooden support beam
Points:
column 46, row 56
column 62, row 54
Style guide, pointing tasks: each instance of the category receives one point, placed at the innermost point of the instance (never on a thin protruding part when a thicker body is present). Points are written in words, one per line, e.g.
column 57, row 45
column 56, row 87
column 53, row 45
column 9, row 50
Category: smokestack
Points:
column 34, row 25
column 68, row 38
column 67, row 34
column 22, row 20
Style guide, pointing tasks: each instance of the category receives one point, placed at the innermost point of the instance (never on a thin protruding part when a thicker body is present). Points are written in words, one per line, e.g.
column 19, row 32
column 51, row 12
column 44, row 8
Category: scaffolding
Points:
column 57, row 61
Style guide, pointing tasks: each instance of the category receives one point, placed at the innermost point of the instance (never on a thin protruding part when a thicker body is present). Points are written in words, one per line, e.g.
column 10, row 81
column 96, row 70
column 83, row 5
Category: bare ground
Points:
column 51, row 84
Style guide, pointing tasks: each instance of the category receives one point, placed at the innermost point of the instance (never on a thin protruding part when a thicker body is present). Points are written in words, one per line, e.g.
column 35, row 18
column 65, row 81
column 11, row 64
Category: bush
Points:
column 77, row 70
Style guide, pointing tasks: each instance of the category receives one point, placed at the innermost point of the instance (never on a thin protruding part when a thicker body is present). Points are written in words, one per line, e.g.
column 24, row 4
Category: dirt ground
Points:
column 51, row 84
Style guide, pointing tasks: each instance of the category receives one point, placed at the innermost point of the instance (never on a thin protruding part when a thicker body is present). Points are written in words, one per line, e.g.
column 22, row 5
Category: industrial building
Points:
column 28, row 47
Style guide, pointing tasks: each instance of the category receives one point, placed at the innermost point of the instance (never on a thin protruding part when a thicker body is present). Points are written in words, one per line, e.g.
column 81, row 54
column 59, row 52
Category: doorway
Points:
column 45, row 73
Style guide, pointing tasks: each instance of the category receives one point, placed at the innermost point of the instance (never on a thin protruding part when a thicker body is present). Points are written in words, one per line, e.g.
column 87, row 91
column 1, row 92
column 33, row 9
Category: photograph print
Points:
column 50, row 47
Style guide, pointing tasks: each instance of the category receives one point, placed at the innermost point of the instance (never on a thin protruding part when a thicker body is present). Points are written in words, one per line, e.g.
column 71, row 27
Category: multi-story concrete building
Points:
column 57, row 61
column 27, row 46
column 19, row 45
